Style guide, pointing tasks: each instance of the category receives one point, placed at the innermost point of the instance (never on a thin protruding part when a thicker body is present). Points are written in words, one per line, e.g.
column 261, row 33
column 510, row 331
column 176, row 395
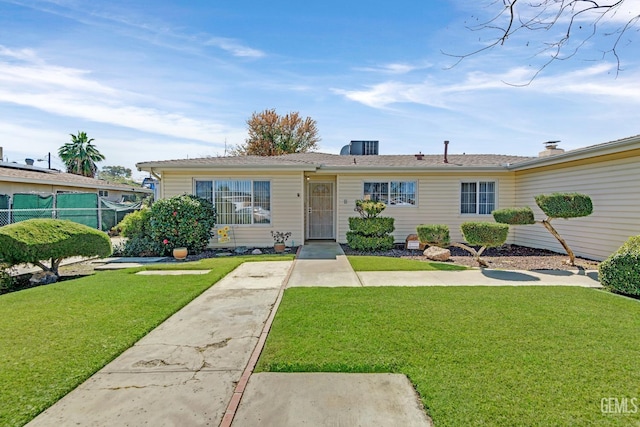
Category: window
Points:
column 393, row 193
column 238, row 201
column 103, row 193
column 477, row 197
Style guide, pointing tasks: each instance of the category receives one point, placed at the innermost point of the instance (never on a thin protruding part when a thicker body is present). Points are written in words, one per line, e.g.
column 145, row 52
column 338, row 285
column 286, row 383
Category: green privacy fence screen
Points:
column 71, row 206
column 4, row 207
column 29, row 206
column 83, row 208
column 112, row 213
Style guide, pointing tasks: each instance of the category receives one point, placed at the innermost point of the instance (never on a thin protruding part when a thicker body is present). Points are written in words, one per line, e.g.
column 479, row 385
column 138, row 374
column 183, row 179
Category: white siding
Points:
column 286, row 205
column 438, row 201
column 612, row 184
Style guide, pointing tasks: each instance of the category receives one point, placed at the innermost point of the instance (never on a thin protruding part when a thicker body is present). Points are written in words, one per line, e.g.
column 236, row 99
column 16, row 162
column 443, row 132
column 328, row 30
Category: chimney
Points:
column 419, row 156
column 446, row 150
column 551, row 149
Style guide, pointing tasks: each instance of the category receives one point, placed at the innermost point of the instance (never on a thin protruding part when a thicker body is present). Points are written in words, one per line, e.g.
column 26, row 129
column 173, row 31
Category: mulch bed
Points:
column 512, row 257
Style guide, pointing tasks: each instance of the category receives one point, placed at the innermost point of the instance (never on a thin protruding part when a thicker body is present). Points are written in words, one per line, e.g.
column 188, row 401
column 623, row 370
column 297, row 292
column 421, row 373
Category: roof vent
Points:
column 419, row 156
column 551, row 149
column 446, row 151
column 28, row 162
column 360, row 148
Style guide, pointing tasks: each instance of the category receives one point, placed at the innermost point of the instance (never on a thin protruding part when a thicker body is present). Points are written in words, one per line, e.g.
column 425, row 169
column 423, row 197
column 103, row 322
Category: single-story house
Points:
column 22, row 178
column 312, row 195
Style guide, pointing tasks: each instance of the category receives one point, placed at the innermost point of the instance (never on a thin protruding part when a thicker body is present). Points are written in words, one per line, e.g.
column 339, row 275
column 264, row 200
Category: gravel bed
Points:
column 511, row 257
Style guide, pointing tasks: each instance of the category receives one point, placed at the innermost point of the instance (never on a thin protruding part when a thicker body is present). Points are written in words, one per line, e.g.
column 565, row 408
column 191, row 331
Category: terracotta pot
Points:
column 180, row 253
column 279, row 247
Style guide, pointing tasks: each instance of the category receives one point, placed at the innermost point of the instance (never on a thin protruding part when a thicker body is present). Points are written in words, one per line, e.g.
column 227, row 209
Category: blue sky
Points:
column 166, row 79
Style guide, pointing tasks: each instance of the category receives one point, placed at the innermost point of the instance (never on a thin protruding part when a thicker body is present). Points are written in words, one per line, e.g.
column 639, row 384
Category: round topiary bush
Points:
column 621, row 271
column 488, row 234
column 565, row 205
column 514, row 216
column 182, row 221
column 434, row 234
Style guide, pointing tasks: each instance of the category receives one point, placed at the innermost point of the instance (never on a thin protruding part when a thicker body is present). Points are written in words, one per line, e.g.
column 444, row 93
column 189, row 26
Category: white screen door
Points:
column 320, row 211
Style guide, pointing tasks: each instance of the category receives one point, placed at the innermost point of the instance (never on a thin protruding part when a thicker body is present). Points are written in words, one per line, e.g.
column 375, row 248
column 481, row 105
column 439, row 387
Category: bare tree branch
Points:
column 573, row 17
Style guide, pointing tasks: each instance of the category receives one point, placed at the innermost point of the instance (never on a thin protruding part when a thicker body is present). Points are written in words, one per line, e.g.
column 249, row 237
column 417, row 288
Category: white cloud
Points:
column 71, row 92
column 591, row 81
column 396, row 68
column 234, row 47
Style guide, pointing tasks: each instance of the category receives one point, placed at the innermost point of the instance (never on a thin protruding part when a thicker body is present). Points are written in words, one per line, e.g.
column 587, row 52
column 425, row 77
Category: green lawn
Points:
column 382, row 263
column 54, row 337
column 494, row 356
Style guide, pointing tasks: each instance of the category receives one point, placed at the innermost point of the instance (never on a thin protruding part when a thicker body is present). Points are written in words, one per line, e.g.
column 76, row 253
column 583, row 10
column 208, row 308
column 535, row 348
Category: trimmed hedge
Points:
column 621, row 271
column 41, row 239
column 135, row 223
column 359, row 242
column 434, row 234
column 514, row 216
column 565, row 205
column 372, row 226
column 489, row 234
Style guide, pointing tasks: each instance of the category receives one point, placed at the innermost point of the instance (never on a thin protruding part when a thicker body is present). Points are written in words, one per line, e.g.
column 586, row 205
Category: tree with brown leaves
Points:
column 272, row 135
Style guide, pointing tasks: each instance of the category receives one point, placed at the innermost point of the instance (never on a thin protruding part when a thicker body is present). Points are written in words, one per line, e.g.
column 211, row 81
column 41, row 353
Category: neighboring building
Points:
column 22, row 178
column 312, row 195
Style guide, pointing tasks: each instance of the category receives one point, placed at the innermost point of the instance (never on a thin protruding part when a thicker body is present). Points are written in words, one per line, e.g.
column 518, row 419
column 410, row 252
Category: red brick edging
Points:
column 238, row 392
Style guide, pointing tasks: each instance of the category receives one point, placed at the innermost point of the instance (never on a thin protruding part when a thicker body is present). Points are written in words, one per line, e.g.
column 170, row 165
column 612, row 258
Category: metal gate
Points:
column 320, row 211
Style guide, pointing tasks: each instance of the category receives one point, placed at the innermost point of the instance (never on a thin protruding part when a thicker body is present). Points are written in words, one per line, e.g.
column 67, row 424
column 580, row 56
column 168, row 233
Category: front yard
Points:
column 54, row 337
column 477, row 356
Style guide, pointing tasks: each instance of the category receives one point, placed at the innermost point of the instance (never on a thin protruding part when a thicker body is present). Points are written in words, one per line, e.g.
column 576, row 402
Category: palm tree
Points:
column 80, row 156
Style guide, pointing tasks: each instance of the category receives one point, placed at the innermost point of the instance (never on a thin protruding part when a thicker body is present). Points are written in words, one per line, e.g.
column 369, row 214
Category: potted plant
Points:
column 279, row 239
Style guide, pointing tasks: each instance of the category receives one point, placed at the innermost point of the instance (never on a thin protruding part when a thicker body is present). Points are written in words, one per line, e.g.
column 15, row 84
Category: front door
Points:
column 320, row 211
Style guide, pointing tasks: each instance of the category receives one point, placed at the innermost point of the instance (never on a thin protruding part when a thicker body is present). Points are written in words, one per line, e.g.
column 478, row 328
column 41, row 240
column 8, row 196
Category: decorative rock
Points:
column 241, row 250
column 437, row 254
column 224, row 254
column 256, row 252
column 43, row 278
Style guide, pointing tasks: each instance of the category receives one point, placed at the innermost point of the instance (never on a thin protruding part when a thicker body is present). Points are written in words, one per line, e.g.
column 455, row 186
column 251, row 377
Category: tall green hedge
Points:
column 488, row 234
column 565, row 205
column 372, row 226
column 621, row 271
column 434, row 234
column 36, row 240
column 514, row 216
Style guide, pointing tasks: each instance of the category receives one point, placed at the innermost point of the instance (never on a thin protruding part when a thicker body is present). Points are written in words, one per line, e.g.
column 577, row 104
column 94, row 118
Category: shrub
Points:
column 136, row 223
column 369, row 209
column 514, row 216
column 434, row 234
column 35, row 240
column 621, row 271
column 488, row 234
column 372, row 226
column 565, row 205
column 363, row 243
column 182, row 221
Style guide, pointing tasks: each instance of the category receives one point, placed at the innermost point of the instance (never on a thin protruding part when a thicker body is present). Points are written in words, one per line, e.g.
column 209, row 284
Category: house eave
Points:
column 386, row 170
column 74, row 184
column 579, row 154
column 158, row 167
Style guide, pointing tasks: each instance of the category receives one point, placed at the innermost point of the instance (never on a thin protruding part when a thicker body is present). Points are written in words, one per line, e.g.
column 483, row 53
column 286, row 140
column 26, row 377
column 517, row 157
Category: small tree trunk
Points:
column 476, row 254
column 42, row 266
column 55, row 263
column 548, row 226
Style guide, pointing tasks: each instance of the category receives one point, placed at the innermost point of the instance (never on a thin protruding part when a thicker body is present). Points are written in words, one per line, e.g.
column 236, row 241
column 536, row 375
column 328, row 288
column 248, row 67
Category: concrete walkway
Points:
column 184, row 372
column 322, row 264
